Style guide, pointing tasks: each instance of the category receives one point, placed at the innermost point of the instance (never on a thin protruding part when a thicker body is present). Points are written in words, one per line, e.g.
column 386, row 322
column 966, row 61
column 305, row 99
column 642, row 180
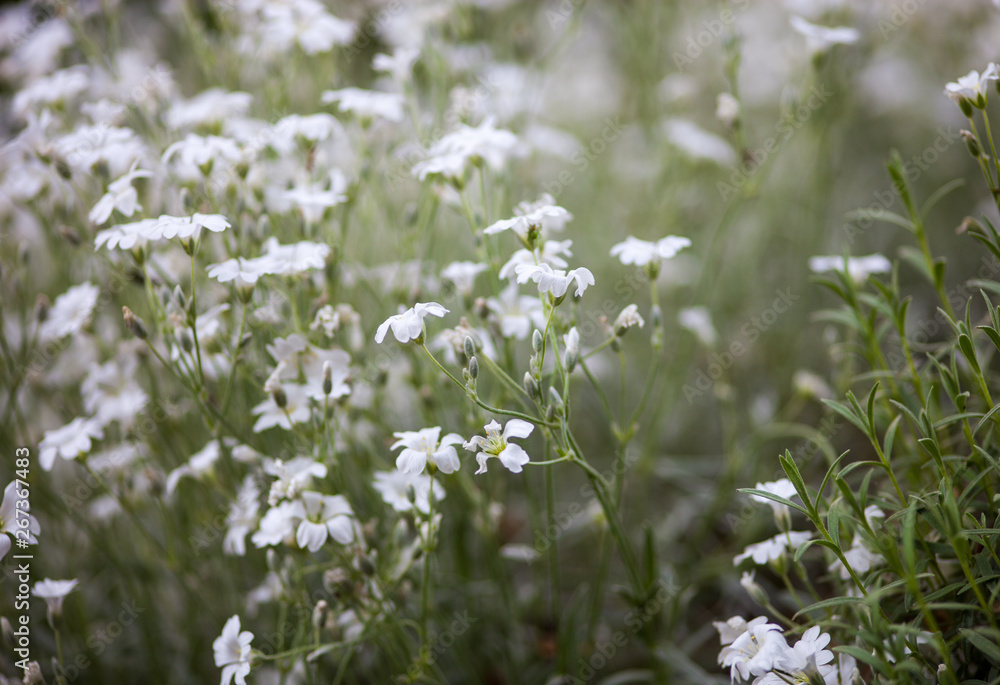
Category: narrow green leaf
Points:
column 847, row 414
column 987, row 646
column 773, row 498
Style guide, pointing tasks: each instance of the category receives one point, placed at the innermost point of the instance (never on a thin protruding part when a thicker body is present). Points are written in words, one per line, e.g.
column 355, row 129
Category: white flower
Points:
column 48, row 91
column 452, row 155
column 366, row 104
column 313, row 128
column 516, row 313
column 540, row 215
column 463, row 275
column 821, row 38
column 54, row 592
column 858, row 268
column 232, row 652
column 727, row 109
column 399, row 65
column 772, row 548
column 496, row 444
column 322, row 516
column 10, row 517
column 110, row 392
column 201, row 462
column 167, row 227
column 202, row 152
column 296, row 410
column 572, row 342
column 207, row 107
column 121, row 196
column 627, row 318
column 643, row 252
column 550, row 253
column 294, row 476
column 759, row 649
column 396, row 487
column 125, row 236
column 409, row 325
column 282, row 260
column 698, row 320
column 313, row 200
column 68, row 442
column 781, row 488
column 242, row 518
column 859, row 557
column 730, row 629
column 973, row 85
column 555, row 281
column 69, row 313
column 278, row 524
column 423, row 446
column 697, row 143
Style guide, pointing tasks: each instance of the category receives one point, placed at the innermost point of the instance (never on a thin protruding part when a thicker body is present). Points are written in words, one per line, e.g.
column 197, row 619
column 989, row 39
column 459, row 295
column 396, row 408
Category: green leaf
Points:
column 865, row 657
column 939, row 194
column 985, row 645
column 833, row 523
column 847, row 414
column 965, row 343
column 992, row 333
column 832, row 602
column 792, row 471
column 773, row 498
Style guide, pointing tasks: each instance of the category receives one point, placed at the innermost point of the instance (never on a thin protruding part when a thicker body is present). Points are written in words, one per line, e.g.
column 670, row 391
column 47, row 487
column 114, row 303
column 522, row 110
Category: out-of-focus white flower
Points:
column 698, row 320
column 203, row 152
column 397, row 488
column 68, row 442
column 541, row 215
column 165, row 227
column 727, row 109
column 280, row 260
column 52, row 90
column 88, row 146
column 455, row 152
column 409, row 325
column 10, row 517
column 698, row 143
column 69, row 313
column 821, row 38
column 121, row 195
column 202, row 461
column 296, row 409
column 54, row 592
column 811, row 385
column 644, row 252
column 496, row 444
column 294, row 476
column 772, row 549
column 555, row 281
column 424, row 447
column 242, row 518
column 859, row 557
column 313, row 200
column 278, row 524
column 110, row 392
column 312, row 128
column 516, row 313
column 232, row 652
column 209, row 107
column 398, row 65
column 463, row 275
column 366, row 104
column 858, row 268
column 973, row 86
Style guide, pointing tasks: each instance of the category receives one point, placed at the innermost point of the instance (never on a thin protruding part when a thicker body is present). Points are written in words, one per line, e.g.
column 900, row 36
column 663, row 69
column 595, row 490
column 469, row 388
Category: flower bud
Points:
column 320, row 612
column 327, row 377
column 366, row 565
column 187, row 341
column 531, row 387
column 279, row 396
column 179, row 297
column 42, row 305
column 134, row 324
column 536, row 341
column 70, row 236
column 474, row 368
column 470, row 347
column 971, row 143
